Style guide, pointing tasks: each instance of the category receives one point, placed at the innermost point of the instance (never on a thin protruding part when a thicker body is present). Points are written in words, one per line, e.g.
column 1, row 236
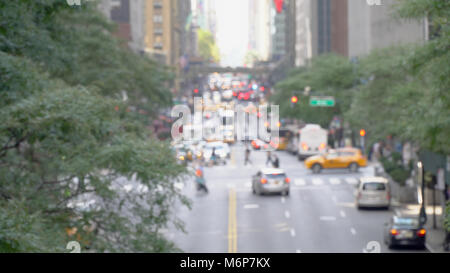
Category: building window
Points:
column 157, row 5
column 157, row 18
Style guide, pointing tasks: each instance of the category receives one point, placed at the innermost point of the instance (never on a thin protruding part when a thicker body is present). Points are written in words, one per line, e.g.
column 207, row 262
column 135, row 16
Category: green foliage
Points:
column 410, row 84
column 207, row 47
column 447, row 217
column 395, row 168
column 62, row 141
column 329, row 75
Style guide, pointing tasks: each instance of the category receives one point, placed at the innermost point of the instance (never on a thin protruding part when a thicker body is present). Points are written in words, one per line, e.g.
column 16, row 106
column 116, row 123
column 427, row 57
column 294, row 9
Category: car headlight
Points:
column 181, row 157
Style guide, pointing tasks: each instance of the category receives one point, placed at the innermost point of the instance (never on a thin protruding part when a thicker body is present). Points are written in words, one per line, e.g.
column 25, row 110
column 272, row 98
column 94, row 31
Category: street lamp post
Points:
column 423, row 214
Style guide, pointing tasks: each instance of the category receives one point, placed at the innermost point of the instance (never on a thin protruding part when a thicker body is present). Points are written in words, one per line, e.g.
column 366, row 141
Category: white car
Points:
column 373, row 192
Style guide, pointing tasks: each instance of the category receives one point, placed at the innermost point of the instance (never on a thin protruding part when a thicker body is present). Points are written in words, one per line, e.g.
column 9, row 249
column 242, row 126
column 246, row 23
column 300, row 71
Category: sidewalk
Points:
column 435, row 237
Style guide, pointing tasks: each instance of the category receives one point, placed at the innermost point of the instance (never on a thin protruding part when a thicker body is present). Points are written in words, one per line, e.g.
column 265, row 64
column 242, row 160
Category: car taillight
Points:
column 359, row 195
column 394, row 231
column 304, row 146
column 263, row 181
column 322, row 146
column 253, row 143
column 287, row 180
column 388, row 196
column 421, row 232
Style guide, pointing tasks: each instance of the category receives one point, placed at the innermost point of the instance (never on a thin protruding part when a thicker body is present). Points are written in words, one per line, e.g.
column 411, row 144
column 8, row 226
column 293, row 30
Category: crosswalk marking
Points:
column 335, row 181
column 351, row 180
column 299, row 182
column 317, row 181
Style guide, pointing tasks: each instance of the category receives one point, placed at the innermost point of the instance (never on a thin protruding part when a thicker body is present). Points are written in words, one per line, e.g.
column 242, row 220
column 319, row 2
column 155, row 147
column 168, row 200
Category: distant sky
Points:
column 232, row 31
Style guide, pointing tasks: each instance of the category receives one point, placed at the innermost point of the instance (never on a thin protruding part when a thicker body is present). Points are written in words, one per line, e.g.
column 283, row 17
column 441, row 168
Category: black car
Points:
column 404, row 231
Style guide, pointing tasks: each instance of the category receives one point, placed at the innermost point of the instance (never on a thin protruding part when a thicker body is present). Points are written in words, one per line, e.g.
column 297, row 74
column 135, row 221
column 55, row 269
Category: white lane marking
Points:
column 298, row 251
column 353, row 231
column 231, row 185
column 317, row 181
column 251, row 206
column 335, row 181
column 299, row 182
column 287, row 214
column 248, row 184
column 334, row 199
column 292, row 232
column 351, row 180
column 327, row 218
column 283, row 199
column 342, row 213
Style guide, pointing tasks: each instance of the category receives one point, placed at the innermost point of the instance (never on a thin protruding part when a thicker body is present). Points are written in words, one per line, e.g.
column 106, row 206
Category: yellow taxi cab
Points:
column 341, row 158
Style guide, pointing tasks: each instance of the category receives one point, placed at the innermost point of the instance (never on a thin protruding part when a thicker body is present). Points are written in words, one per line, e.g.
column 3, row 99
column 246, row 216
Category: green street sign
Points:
column 322, row 101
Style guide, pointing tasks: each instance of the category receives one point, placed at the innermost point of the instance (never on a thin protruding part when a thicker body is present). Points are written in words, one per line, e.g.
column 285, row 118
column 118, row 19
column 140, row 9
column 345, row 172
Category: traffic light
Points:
column 362, row 132
column 294, row 99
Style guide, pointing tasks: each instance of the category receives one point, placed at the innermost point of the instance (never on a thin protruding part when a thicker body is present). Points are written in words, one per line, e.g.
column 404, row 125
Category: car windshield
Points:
column 374, row 186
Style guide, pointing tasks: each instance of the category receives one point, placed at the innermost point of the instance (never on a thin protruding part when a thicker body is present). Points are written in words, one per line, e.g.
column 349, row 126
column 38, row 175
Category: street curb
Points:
column 429, row 248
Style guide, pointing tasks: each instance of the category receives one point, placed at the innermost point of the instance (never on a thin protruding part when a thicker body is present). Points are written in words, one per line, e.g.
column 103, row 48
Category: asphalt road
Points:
column 319, row 216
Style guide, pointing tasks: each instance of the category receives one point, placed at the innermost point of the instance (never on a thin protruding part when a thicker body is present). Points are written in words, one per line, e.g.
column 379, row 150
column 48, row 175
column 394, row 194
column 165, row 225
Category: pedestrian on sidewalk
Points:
column 269, row 158
column 247, row 156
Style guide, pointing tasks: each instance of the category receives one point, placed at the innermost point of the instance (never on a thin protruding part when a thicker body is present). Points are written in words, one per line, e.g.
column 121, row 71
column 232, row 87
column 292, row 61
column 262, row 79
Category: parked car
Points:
column 270, row 180
column 404, row 230
column 373, row 192
column 350, row 158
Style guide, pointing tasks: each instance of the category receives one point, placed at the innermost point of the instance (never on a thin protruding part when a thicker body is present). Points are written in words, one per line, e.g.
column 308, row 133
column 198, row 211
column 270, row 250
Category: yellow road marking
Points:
column 232, row 226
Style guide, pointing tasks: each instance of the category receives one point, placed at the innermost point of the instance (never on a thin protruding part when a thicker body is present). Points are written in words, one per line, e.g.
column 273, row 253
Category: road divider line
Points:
column 292, row 232
column 251, row 206
column 287, row 214
column 334, row 198
column 327, row 218
column 342, row 213
column 353, row 231
column 283, row 199
column 232, row 226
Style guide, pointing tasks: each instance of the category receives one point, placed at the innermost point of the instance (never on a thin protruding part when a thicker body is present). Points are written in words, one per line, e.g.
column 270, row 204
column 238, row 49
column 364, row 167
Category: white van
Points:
column 313, row 141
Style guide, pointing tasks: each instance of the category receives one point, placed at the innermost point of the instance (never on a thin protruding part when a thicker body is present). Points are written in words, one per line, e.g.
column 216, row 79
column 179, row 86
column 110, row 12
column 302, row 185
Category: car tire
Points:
column 316, row 168
column 285, row 193
column 353, row 167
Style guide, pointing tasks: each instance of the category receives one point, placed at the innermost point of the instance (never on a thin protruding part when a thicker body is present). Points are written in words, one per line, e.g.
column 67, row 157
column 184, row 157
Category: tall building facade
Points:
column 259, row 27
column 130, row 19
column 278, row 32
column 372, row 27
column 349, row 28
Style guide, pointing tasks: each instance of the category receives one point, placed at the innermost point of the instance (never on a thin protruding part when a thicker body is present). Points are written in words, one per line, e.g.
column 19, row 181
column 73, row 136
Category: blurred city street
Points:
column 319, row 215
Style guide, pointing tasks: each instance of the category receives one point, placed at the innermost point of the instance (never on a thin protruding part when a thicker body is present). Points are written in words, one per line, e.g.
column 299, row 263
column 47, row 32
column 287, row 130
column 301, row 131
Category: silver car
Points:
column 270, row 180
column 373, row 192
